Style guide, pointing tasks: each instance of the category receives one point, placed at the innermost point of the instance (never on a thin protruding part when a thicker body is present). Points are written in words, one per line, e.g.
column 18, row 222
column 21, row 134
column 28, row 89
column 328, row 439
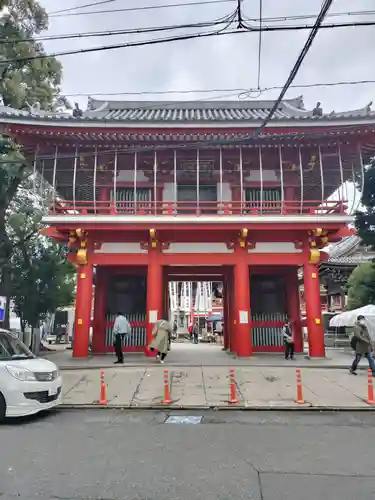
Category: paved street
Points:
column 257, row 387
column 107, row 455
column 187, row 354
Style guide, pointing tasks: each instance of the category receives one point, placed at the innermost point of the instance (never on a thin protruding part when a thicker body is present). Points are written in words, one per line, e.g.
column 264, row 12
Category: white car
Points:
column 28, row 384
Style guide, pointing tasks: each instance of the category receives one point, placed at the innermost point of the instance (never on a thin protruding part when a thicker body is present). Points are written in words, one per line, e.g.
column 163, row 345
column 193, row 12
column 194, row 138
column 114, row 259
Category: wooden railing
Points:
column 232, row 208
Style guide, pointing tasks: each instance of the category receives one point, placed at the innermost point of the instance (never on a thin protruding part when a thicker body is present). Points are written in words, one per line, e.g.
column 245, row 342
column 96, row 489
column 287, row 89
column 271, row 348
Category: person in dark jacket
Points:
column 196, row 333
column 288, row 340
column 363, row 345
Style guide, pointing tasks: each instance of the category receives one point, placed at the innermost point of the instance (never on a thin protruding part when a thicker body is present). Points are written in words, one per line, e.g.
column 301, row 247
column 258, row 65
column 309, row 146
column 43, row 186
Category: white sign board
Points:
column 244, row 317
column 3, row 305
column 152, row 316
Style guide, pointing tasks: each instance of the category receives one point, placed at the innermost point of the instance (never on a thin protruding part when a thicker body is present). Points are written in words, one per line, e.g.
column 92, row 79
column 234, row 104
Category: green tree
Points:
column 361, row 286
column 22, row 84
column 41, row 276
column 26, row 82
column 365, row 218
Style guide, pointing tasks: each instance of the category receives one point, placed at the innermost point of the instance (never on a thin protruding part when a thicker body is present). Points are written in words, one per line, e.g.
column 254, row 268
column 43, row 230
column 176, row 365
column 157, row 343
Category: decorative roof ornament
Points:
column 33, row 108
column 77, row 111
column 318, row 110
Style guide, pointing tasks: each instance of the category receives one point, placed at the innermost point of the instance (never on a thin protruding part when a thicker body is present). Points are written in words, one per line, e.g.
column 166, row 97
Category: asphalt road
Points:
column 108, row 454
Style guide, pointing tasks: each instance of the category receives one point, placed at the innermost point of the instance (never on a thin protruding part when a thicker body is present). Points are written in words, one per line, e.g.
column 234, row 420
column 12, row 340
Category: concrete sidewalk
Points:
column 190, row 355
column 207, row 387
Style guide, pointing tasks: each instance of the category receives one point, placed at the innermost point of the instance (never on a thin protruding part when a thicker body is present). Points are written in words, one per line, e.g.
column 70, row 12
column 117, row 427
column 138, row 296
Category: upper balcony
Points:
column 209, row 183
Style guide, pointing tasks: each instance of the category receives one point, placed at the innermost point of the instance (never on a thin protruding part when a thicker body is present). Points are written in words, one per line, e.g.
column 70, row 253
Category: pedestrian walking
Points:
column 288, row 340
column 160, row 344
column 121, row 328
column 196, row 332
column 361, row 343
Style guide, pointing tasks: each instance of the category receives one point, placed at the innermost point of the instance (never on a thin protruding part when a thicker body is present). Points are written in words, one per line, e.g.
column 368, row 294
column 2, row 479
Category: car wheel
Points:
column 2, row 408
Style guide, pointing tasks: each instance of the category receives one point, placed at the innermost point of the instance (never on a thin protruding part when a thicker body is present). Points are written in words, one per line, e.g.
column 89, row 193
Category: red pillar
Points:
column 313, row 310
column 226, row 320
column 294, row 308
column 242, row 305
column 232, row 323
column 154, row 292
column 100, row 310
column 83, row 312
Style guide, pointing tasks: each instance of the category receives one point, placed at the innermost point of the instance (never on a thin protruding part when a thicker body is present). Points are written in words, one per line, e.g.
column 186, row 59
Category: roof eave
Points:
column 102, row 123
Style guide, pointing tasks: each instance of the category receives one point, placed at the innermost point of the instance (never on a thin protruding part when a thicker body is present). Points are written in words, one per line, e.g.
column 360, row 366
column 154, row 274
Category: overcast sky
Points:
column 217, row 62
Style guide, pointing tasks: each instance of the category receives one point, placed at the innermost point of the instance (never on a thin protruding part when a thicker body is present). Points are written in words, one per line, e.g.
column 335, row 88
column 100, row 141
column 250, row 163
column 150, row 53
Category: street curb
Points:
column 265, row 408
column 315, row 367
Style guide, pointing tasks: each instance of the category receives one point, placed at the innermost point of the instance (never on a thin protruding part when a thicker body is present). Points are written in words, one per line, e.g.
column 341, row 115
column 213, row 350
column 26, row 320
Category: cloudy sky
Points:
column 225, row 62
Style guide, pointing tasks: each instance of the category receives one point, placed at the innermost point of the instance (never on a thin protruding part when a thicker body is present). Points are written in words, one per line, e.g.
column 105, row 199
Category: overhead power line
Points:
column 156, row 29
column 318, row 23
column 130, row 31
column 85, row 6
column 141, row 8
column 236, row 91
column 122, row 46
column 245, row 29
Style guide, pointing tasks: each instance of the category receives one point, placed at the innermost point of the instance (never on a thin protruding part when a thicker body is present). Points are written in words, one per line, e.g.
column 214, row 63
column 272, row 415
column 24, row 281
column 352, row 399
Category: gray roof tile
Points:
column 187, row 111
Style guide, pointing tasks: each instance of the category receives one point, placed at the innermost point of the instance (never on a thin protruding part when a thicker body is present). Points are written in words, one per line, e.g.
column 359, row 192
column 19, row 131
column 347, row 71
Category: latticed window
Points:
column 268, row 199
column 125, row 199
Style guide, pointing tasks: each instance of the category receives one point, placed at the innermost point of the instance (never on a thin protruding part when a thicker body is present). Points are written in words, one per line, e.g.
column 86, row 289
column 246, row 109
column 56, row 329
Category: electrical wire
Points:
column 85, row 6
column 325, row 7
column 130, row 31
column 142, row 8
column 260, row 40
column 143, row 43
column 155, row 29
column 252, row 29
column 242, row 93
column 299, row 17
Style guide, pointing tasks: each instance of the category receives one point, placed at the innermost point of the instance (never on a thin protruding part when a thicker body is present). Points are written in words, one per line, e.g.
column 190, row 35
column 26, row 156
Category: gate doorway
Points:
column 196, row 304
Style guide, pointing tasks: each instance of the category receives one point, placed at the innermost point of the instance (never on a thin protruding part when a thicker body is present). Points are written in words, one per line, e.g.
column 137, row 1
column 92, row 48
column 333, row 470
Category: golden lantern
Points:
column 314, row 256
column 244, row 232
column 82, row 256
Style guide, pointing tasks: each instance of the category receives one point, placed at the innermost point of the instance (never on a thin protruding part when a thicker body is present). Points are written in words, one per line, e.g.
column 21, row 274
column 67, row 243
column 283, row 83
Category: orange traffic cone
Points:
column 103, row 390
column 232, row 387
column 167, row 398
column 299, row 399
column 370, row 388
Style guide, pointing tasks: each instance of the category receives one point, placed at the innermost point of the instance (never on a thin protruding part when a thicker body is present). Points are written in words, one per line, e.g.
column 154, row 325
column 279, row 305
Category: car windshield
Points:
column 12, row 348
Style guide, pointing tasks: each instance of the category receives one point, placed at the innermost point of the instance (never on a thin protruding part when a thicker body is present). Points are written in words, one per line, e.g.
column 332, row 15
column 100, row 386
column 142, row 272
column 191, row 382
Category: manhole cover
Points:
column 177, row 419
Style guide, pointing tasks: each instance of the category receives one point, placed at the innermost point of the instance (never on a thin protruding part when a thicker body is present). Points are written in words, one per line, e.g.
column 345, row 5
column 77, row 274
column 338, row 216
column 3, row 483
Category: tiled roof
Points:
column 188, row 112
column 348, row 252
column 352, row 260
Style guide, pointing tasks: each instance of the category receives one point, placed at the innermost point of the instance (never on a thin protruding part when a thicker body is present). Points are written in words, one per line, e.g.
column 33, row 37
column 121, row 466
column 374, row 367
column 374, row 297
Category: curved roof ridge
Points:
column 293, row 104
column 365, row 111
column 345, row 246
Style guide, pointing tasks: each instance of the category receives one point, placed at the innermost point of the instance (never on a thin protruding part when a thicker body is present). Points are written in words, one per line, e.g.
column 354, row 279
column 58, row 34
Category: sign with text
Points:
column 3, row 305
column 244, row 317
